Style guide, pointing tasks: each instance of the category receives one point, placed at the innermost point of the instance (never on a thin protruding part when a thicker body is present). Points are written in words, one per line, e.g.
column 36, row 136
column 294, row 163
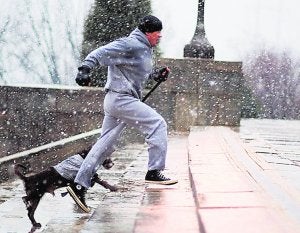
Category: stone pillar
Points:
column 199, row 46
column 200, row 92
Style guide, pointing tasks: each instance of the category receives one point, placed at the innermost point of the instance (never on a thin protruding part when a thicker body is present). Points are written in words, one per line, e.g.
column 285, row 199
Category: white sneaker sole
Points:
column 166, row 182
column 77, row 200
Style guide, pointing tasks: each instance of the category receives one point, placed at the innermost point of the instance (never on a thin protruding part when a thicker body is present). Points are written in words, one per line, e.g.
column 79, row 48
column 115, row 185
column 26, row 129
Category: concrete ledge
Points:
column 35, row 116
column 47, row 155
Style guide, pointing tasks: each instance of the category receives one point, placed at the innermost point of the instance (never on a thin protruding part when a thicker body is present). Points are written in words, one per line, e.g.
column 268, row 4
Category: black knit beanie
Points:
column 150, row 23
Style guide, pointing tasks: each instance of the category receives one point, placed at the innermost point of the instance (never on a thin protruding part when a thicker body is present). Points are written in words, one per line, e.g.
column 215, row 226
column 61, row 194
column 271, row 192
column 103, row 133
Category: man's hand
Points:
column 83, row 76
column 161, row 74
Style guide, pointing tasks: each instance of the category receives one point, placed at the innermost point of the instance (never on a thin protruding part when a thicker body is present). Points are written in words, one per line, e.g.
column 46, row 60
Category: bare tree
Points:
column 42, row 36
column 274, row 83
column 45, row 45
column 3, row 30
column 70, row 32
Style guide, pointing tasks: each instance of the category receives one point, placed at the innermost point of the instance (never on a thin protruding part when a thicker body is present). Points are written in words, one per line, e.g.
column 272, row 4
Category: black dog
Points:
column 49, row 180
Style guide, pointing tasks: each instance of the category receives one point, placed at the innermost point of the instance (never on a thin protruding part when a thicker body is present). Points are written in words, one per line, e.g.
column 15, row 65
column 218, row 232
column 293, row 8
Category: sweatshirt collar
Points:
column 138, row 34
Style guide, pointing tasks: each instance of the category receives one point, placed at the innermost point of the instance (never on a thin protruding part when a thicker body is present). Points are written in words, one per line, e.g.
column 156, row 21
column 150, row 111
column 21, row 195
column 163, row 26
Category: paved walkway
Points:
column 230, row 187
column 221, row 188
column 276, row 145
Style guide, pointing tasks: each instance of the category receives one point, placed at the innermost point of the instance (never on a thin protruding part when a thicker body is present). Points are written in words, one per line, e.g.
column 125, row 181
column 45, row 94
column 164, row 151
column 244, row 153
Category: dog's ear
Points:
column 20, row 170
column 83, row 153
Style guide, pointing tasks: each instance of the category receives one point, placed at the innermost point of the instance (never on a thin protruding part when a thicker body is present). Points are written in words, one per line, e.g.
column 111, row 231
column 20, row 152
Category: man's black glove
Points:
column 160, row 74
column 83, row 76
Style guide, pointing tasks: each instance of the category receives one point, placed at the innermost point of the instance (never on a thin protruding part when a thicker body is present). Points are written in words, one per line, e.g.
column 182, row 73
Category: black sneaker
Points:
column 77, row 192
column 156, row 177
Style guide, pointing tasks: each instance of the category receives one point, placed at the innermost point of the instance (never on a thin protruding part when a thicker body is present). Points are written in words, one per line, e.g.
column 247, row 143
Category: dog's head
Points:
column 83, row 153
column 108, row 163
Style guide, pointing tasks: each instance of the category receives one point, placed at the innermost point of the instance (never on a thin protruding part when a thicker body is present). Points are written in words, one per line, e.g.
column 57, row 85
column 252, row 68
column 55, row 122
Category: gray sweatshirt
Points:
column 129, row 62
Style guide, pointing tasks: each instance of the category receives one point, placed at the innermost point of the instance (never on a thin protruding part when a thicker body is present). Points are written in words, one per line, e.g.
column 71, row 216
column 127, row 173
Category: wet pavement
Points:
column 277, row 143
column 244, row 180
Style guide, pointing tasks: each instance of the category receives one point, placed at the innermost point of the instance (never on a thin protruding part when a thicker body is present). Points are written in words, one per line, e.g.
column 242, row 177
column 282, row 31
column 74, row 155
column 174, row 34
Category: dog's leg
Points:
column 33, row 203
column 25, row 200
column 105, row 184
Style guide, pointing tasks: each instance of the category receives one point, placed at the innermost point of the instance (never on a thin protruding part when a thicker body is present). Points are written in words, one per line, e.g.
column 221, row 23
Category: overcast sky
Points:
column 233, row 27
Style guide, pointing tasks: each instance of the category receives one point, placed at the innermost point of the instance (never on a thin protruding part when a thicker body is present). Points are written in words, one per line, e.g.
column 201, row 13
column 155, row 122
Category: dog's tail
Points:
column 18, row 171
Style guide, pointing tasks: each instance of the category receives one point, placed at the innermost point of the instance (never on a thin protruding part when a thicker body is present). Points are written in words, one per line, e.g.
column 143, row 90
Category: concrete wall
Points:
column 202, row 92
column 42, row 157
column 199, row 92
column 33, row 116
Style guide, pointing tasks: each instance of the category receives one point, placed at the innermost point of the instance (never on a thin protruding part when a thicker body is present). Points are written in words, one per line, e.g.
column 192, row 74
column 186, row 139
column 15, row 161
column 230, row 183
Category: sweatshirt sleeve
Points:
column 114, row 53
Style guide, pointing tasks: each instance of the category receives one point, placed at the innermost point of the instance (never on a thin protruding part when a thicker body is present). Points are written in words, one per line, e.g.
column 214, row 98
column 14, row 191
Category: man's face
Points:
column 153, row 38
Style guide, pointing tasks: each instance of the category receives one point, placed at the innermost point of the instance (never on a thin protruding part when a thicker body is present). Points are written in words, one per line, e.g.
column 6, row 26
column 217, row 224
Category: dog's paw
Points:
column 37, row 225
column 113, row 188
column 108, row 163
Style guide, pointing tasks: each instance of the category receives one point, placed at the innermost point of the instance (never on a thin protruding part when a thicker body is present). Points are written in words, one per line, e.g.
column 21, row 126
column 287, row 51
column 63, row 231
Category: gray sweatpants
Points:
column 121, row 110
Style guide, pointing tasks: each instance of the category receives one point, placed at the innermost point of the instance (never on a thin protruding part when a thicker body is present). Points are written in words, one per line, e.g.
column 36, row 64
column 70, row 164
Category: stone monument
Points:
column 199, row 46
